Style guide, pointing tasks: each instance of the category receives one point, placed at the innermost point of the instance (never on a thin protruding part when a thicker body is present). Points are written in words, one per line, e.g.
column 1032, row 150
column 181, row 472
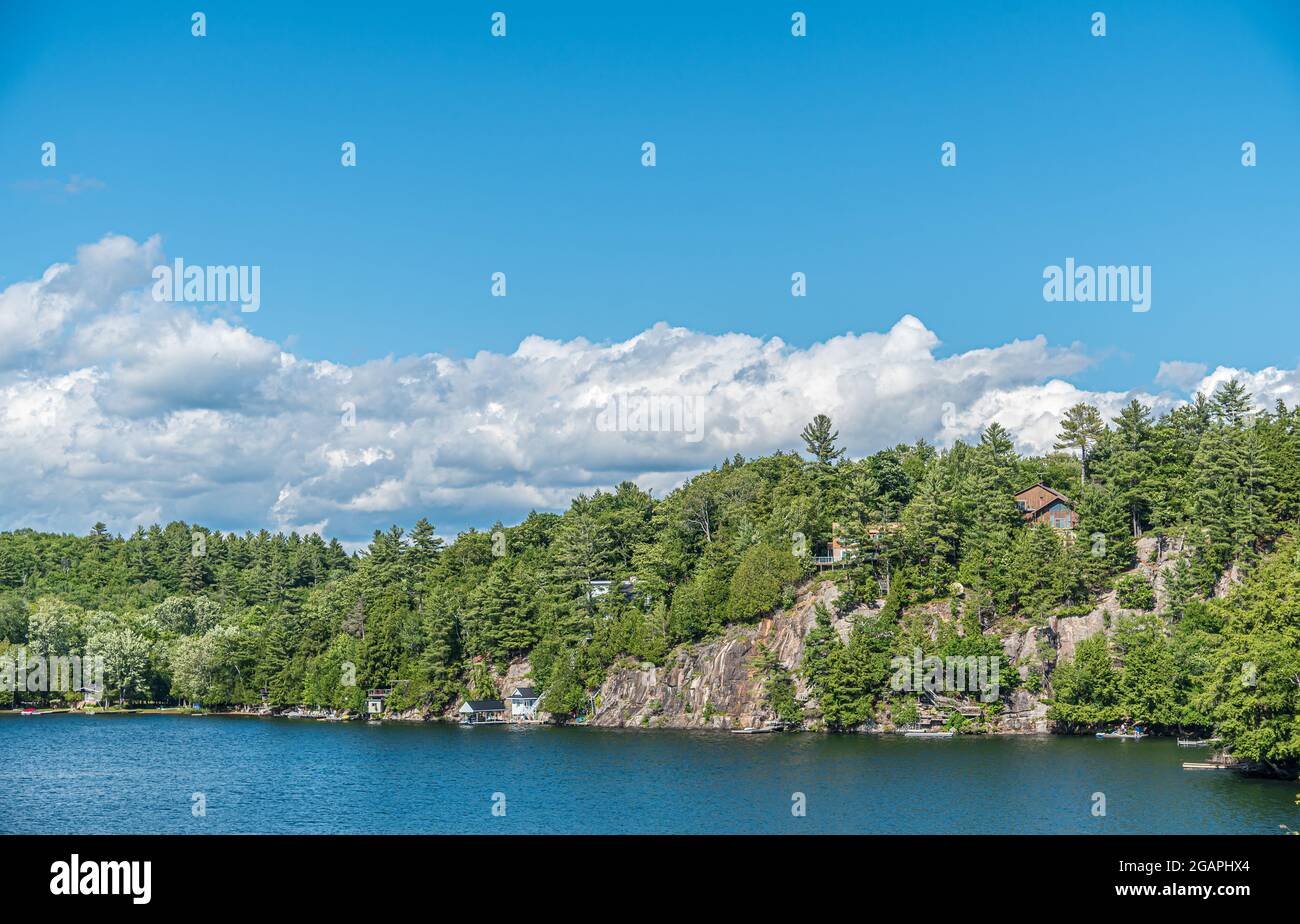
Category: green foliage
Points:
column 1230, row 665
column 184, row 612
column 1087, row 687
column 1081, row 428
column 819, row 440
column 699, row 606
column 1256, row 668
column 778, row 686
column 905, row 714
column 1135, row 592
column 564, row 695
column 847, row 679
column 758, row 581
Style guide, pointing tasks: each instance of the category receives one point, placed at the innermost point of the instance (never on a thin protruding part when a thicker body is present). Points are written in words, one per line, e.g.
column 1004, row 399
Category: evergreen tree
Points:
column 1081, row 428
column 1130, row 463
column 778, row 686
column 819, row 440
column 425, row 548
column 1231, row 404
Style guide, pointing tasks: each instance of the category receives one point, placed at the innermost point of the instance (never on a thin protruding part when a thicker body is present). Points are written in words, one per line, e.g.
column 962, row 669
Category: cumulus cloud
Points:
column 1180, row 375
column 115, row 407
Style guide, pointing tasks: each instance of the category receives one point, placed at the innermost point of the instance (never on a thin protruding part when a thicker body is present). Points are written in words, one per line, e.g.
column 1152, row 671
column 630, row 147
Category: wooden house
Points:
column 1039, row 503
column 841, row 549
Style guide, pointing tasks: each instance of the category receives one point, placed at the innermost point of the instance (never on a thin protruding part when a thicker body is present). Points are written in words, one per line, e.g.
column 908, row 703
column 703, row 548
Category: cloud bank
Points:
column 118, row 408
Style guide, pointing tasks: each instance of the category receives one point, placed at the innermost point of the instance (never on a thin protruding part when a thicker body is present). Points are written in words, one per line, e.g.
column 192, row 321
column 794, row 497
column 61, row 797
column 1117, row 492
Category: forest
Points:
column 181, row 613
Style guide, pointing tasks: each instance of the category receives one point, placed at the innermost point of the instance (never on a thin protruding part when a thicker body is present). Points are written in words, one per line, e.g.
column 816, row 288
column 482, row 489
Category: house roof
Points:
column 483, row 705
column 1048, row 488
column 524, row 693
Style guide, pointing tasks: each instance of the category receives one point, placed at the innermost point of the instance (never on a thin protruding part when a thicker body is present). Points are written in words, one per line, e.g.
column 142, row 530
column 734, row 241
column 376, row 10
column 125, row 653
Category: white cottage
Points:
column 523, row 703
column 375, row 701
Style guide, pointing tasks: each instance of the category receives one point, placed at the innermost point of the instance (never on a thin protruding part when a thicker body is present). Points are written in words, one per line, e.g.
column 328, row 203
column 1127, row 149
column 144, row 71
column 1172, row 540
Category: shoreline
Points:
column 1243, row 769
column 448, row 720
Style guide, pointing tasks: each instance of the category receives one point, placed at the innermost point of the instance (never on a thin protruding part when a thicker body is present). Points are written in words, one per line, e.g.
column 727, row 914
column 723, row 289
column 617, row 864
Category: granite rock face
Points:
column 714, row 684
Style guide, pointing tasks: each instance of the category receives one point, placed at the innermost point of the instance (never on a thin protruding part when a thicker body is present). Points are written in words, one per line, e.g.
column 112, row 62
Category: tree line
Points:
column 190, row 613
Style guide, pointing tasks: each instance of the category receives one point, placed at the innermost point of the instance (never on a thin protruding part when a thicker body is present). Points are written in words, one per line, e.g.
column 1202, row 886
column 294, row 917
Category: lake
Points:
column 137, row 774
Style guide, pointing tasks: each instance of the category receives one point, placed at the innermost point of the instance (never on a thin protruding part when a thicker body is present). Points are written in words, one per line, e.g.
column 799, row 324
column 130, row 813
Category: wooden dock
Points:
column 1199, row 765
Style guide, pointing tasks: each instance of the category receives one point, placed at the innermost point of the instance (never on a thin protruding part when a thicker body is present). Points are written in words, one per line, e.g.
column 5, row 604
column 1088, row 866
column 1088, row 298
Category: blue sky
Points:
column 775, row 154
column 924, row 316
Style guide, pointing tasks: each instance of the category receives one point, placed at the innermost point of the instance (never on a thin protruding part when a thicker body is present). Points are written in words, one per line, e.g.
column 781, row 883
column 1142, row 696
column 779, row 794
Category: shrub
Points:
column 1135, row 593
column 759, row 579
column 906, row 714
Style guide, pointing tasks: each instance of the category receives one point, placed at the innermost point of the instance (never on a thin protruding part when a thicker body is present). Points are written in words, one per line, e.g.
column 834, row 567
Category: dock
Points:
column 1218, row 761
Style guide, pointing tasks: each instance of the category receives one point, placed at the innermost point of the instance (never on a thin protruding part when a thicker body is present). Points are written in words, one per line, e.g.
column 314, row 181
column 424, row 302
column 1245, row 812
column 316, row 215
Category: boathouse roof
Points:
column 483, row 705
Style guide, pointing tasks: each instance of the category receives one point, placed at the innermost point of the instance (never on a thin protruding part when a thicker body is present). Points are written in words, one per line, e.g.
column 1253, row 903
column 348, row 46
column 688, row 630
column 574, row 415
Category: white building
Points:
column 523, row 703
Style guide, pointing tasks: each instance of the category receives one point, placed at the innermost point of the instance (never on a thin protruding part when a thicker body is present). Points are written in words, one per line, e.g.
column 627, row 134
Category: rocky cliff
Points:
column 714, row 684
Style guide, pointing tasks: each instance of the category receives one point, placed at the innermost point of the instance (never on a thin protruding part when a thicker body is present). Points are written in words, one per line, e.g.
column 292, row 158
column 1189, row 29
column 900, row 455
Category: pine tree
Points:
column 1087, row 690
column 778, row 686
column 1147, row 687
column 564, row 695
column 424, row 550
column 1230, row 404
column 993, row 516
column 818, row 645
column 1129, row 466
column 931, row 529
column 1081, row 428
column 819, row 440
column 194, row 574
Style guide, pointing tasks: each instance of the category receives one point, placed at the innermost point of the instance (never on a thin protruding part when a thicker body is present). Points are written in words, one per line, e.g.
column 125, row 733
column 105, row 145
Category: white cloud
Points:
column 1180, row 375
column 1268, row 385
column 118, row 408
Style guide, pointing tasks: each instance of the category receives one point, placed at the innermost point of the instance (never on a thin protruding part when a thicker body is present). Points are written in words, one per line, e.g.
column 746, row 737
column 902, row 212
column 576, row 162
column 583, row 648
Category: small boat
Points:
column 30, row 711
column 928, row 734
column 1126, row 736
column 752, row 731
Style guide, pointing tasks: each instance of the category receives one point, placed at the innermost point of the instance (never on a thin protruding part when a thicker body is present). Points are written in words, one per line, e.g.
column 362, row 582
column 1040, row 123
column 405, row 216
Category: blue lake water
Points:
column 137, row 774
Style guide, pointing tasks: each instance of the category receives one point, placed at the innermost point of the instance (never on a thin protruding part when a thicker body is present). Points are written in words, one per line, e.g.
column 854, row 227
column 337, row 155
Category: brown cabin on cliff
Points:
column 1039, row 503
